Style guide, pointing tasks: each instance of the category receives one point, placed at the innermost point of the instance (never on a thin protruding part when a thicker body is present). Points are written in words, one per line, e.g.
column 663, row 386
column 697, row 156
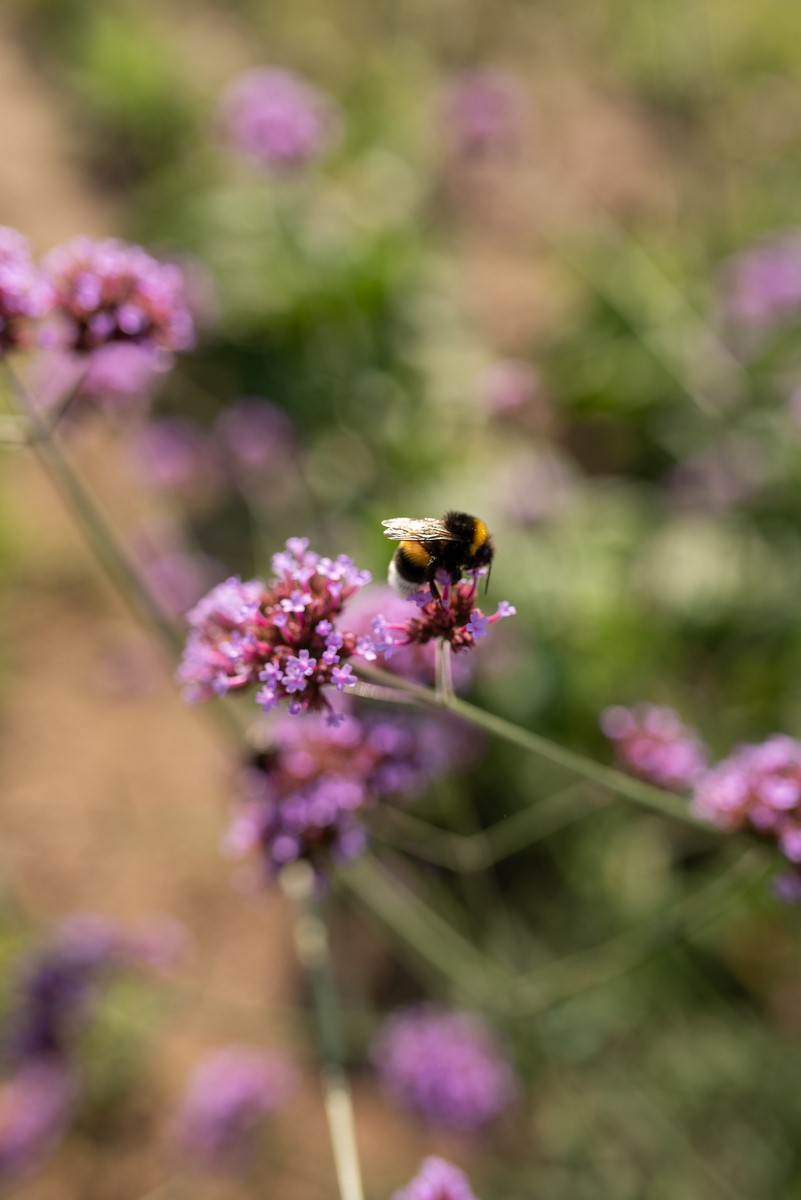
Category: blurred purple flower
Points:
column 304, row 797
column 25, row 294
column 786, row 888
column 36, row 1105
column 509, row 386
column 228, row 1097
column 118, row 376
column 483, row 112
column 651, row 741
column 720, row 478
column 453, row 618
column 57, row 984
column 107, row 291
column 256, row 434
column 758, row 786
column 761, row 286
column 535, row 486
column 282, row 635
column 446, row 1065
column 176, row 575
column 437, row 1179
column 278, row 119
column 177, row 455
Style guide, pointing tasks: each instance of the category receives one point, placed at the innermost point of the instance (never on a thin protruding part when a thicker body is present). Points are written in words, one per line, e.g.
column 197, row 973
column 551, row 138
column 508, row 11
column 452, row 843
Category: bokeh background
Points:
column 551, row 325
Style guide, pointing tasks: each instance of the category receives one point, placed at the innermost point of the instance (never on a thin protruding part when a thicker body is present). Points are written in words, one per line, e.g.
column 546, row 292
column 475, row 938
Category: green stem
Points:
column 666, row 803
column 102, row 540
column 311, row 944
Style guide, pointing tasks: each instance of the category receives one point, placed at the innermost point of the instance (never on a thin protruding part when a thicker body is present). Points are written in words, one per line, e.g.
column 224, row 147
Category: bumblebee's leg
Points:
column 431, row 580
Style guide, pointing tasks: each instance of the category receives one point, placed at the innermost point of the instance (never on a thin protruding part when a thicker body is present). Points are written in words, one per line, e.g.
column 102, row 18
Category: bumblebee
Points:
column 452, row 544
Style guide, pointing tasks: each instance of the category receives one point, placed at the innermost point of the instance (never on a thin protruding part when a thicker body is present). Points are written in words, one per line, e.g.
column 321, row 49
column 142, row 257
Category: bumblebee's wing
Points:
column 417, row 529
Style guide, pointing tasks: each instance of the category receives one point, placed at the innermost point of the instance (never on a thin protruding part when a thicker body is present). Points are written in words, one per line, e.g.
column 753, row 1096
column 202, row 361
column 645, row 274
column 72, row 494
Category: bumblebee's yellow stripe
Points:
column 416, row 553
column 479, row 537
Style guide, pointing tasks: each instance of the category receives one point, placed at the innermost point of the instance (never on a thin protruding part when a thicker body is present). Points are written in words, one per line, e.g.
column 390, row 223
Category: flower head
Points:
column 446, row 1065
column 452, row 617
column 282, row 635
column 651, row 741
column 25, row 294
column 483, row 112
column 227, row 1099
column 762, row 285
column 58, row 984
column 382, row 614
column 256, row 435
column 437, row 1179
column 107, row 291
column 177, row 454
column 510, row 386
column 277, row 119
column 758, row 786
column 305, row 796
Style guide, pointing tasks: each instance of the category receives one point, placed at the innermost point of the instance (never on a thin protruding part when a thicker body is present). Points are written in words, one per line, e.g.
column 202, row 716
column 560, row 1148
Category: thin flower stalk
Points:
column 311, row 944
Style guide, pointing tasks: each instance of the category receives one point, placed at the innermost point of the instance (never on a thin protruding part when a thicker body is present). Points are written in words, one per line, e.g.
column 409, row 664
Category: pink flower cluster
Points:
column 447, row 1065
column 277, row 119
column 651, row 741
column 282, row 635
column 483, row 111
column 437, row 1179
column 758, row 786
column 106, row 291
column 25, row 293
column 453, row 618
column 762, row 285
column 305, row 795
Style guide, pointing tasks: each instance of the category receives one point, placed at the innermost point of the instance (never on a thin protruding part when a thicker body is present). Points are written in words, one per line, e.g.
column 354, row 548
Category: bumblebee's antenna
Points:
column 486, row 582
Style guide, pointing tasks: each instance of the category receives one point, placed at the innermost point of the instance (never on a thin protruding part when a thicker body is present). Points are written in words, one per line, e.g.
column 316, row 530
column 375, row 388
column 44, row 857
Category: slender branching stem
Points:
column 444, row 672
column 657, row 799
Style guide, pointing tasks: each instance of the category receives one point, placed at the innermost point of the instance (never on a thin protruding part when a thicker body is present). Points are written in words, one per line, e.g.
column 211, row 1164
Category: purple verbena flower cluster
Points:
column 651, row 741
column 305, row 796
column 757, row 787
column 107, row 291
column 51, row 1004
column 447, row 1065
column 483, row 112
column 278, row 119
column 282, row 635
column 453, row 618
column 762, row 285
column 25, row 293
column 437, row 1179
column 229, row 1095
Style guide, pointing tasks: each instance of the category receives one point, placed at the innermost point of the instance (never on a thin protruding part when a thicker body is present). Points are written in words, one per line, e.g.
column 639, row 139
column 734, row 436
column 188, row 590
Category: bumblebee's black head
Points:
column 482, row 556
